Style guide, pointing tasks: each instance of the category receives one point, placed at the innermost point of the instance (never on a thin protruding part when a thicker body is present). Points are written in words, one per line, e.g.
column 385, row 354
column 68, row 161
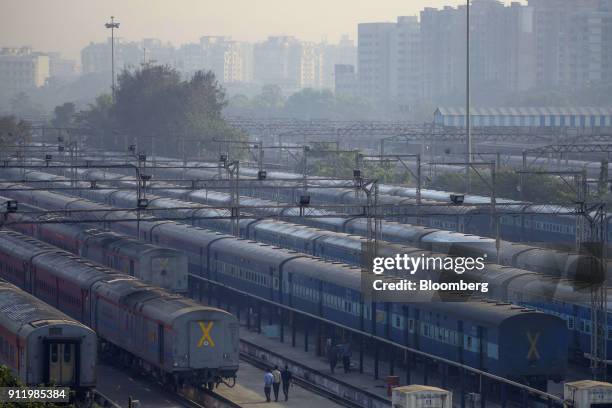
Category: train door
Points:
column 460, row 345
column 61, row 362
column 27, row 276
column 417, row 328
column 160, row 340
column 482, row 347
column 203, row 336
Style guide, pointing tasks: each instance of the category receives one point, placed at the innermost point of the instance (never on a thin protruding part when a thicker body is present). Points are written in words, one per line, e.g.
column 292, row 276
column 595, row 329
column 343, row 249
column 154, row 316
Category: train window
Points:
column 469, row 342
column 570, row 323
column 54, row 353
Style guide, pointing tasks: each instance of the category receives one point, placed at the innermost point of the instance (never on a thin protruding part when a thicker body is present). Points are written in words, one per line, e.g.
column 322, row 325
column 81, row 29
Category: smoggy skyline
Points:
column 69, row 25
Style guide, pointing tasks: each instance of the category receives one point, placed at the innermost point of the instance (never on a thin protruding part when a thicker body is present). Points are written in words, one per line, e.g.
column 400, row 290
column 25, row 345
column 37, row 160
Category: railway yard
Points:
column 178, row 281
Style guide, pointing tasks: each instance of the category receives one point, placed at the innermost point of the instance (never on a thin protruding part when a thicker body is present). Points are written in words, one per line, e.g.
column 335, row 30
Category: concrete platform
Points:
column 365, row 380
column 249, row 392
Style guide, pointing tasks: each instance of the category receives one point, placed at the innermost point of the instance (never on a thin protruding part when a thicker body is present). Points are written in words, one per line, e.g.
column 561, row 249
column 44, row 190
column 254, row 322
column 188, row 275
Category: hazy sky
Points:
column 69, row 25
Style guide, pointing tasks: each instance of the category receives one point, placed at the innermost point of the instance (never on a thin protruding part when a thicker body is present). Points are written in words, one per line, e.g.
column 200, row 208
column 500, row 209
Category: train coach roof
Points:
column 454, row 237
column 331, row 272
column 23, row 245
column 127, row 290
column 257, row 251
column 481, row 311
column 167, row 307
column 285, row 228
column 74, row 268
column 104, row 237
column 21, row 308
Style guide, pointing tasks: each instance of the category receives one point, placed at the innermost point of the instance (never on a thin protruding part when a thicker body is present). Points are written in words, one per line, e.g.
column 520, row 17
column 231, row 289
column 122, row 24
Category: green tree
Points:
column 8, row 380
column 310, row 104
column 22, row 105
column 63, row 115
column 13, row 131
column 158, row 110
column 269, row 102
column 539, row 188
column 99, row 122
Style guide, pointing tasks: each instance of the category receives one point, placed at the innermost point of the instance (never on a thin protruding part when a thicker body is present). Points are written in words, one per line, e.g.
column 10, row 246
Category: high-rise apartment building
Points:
column 390, row 62
column 289, row 63
column 374, row 56
column 231, row 61
column 61, row 68
column 502, row 51
column 345, row 80
column 574, row 42
column 343, row 53
column 96, row 57
column 22, row 69
column 406, row 85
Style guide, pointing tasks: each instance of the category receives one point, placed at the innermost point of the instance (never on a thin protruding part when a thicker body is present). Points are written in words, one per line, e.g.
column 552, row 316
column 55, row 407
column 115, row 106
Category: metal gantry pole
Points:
column 305, row 167
column 599, row 292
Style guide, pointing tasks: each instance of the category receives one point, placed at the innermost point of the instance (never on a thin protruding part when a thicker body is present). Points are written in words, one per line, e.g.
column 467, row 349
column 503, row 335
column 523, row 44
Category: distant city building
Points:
column 573, row 117
column 374, row 59
column 574, row 43
column 287, row 62
column 61, row 68
column 343, row 53
column 443, row 39
column 22, row 69
column 346, row 80
column 231, row 61
column 390, row 62
column 406, row 86
column 502, row 51
column 96, row 57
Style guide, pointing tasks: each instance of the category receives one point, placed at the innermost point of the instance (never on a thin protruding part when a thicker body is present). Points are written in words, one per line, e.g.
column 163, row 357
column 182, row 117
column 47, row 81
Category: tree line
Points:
column 157, row 110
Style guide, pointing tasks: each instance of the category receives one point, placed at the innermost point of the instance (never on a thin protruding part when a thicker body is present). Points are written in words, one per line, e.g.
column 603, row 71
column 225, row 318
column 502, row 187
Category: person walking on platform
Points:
column 333, row 358
column 277, row 382
column 346, row 357
column 268, row 381
column 286, row 377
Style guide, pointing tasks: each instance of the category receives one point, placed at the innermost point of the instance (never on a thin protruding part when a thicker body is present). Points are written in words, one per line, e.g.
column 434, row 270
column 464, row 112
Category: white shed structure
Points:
column 587, row 394
column 421, row 396
column 577, row 117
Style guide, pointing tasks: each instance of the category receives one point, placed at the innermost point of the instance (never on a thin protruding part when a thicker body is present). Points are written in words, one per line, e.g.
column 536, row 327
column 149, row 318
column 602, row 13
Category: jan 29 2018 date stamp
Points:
column 34, row 394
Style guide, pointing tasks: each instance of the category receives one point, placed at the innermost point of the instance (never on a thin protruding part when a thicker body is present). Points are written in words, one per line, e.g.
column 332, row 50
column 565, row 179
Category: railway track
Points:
column 186, row 397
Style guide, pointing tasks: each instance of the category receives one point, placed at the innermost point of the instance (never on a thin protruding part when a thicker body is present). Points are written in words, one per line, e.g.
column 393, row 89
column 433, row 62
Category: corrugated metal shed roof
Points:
column 418, row 388
column 520, row 111
column 588, row 384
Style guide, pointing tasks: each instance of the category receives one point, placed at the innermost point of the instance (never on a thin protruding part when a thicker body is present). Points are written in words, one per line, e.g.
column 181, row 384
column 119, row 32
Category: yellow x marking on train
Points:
column 206, row 340
column 533, row 349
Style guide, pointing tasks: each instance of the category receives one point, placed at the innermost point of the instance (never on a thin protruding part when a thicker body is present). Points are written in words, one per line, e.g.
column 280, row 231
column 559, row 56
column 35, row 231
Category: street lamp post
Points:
column 112, row 25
